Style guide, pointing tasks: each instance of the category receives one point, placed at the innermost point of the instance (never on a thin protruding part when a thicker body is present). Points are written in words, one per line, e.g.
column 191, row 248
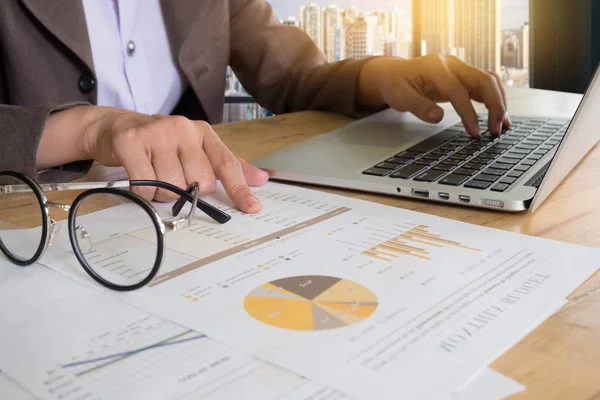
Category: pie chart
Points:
column 310, row 303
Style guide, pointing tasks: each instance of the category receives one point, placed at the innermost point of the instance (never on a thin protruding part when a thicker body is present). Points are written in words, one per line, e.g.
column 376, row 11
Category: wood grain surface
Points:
column 558, row 360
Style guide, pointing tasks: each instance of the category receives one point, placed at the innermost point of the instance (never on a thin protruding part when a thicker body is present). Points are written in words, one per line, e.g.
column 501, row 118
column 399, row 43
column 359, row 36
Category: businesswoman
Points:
column 137, row 84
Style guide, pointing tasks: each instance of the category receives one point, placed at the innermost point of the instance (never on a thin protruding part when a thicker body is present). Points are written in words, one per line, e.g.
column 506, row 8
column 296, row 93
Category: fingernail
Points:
column 435, row 114
column 252, row 202
column 475, row 130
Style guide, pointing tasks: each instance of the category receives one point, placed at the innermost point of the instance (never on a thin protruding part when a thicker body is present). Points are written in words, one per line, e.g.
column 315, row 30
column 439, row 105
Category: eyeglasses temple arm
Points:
column 54, row 187
column 186, row 196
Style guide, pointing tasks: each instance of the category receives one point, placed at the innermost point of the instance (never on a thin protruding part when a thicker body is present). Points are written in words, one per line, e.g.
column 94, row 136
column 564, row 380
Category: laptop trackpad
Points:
column 389, row 129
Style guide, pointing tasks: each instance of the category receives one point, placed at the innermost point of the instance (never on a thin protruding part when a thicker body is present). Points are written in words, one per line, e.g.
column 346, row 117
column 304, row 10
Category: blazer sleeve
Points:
column 282, row 68
column 21, row 128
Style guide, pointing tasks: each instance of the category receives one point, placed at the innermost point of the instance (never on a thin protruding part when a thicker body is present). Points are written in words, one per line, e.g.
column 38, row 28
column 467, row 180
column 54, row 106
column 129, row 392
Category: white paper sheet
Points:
column 10, row 390
column 488, row 385
column 62, row 340
column 376, row 301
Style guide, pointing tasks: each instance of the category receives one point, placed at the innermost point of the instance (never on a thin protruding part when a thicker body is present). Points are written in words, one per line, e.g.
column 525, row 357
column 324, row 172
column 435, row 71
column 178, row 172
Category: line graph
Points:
column 114, row 358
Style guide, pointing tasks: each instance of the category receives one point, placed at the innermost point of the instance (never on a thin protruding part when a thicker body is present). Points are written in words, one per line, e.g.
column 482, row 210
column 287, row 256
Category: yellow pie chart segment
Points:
column 347, row 291
column 284, row 313
column 311, row 303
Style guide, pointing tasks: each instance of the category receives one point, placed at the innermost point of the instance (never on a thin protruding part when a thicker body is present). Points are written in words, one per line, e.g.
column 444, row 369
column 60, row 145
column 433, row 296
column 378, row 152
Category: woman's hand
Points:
column 417, row 85
column 173, row 149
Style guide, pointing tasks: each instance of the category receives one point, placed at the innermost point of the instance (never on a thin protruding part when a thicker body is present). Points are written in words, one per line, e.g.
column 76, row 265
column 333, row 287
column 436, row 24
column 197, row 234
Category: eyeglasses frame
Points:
column 114, row 188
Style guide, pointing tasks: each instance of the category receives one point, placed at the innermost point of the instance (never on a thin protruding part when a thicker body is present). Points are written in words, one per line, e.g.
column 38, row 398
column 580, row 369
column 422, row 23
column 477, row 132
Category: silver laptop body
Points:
column 397, row 154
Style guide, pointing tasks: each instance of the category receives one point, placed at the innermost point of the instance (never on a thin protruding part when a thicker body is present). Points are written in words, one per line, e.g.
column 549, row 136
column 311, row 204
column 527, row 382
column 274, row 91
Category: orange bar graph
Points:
column 397, row 246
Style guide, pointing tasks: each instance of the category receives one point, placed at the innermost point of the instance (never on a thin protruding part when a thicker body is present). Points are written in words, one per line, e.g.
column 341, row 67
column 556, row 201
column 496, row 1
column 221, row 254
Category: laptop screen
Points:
column 583, row 134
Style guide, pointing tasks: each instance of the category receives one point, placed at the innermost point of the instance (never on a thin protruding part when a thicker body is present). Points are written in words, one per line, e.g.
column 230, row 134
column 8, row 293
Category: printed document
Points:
column 374, row 301
column 70, row 342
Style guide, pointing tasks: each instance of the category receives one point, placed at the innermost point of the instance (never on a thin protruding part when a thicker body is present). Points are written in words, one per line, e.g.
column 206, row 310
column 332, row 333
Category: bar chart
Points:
column 415, row 242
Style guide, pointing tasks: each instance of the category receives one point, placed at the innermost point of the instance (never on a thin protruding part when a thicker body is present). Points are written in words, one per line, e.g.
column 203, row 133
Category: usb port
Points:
column 420, row 193
column 443, row 196
column 464, row 199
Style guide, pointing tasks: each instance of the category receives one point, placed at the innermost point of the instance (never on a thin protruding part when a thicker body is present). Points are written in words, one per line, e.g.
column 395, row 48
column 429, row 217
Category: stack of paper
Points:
column 371, row 301
column 66, row 341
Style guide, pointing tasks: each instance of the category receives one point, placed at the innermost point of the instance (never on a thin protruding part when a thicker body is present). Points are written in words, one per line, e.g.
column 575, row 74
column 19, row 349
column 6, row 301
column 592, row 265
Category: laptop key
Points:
column 481, row 159
column 474, row 165
column 475, row 146
column 502, row 166
column 533, row 141
column 466, row 153
column 430, row 176
column 529, row 162
column 387, row 165
column 508, row 180
column 502, row 146
column 481, row 185
column 516, row 156
column 465, row 171
column 515, row 174
column 518, row 120
column 493, row 152
column 487, row 178
column 509, row 141
column 523, row 168
column 500, row 187
column 438, row 154
column 496, row 172
column 425, row 162
column 443, row 167
column 457, row 158
column 521, row 151
column 457, row 128
column 511, row 161
column 452, row 162
column 535, row 157
column 433, row 142
column 408, row 154
column 398, row 160
column 522, row 146
column 377, row 172
column 454, row 180
column 408, row 171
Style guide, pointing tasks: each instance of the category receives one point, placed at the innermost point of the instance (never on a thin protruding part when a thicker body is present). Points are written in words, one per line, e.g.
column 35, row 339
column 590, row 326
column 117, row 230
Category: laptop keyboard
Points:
column 452, row 157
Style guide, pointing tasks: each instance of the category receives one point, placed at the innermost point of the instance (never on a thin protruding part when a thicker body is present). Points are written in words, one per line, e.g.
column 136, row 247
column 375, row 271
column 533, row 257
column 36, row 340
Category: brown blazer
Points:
column 46, row 65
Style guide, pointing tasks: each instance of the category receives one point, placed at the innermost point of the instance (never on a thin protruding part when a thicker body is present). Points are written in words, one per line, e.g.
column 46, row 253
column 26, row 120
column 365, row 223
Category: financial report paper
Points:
column 373, row 301
column 66, row 341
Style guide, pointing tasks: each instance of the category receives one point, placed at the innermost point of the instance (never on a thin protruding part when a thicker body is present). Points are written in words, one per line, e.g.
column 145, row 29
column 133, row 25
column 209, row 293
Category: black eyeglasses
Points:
column 108, row 262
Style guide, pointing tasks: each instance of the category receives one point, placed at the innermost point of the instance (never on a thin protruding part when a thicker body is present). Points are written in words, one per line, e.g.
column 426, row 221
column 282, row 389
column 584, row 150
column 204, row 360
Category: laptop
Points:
column 397, row 154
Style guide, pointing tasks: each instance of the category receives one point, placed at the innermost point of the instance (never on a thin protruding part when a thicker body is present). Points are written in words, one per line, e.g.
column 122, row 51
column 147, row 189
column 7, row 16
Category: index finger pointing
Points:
column 229, row 170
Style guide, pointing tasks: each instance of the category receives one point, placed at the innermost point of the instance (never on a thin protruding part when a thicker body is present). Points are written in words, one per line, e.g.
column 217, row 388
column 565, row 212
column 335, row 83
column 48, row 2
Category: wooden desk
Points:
column 561, row 358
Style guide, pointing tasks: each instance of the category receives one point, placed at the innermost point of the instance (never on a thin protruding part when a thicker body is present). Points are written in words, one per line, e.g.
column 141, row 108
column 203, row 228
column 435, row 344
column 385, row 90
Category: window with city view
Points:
column 488, row 34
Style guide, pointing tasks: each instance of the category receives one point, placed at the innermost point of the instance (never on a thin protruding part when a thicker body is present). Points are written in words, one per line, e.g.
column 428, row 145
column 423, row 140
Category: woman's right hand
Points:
column 173, row 149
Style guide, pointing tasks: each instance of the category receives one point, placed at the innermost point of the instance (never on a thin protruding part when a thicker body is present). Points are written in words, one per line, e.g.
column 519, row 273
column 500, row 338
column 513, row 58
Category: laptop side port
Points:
column 443, row 196
column 464, row 199
column 420, row 193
